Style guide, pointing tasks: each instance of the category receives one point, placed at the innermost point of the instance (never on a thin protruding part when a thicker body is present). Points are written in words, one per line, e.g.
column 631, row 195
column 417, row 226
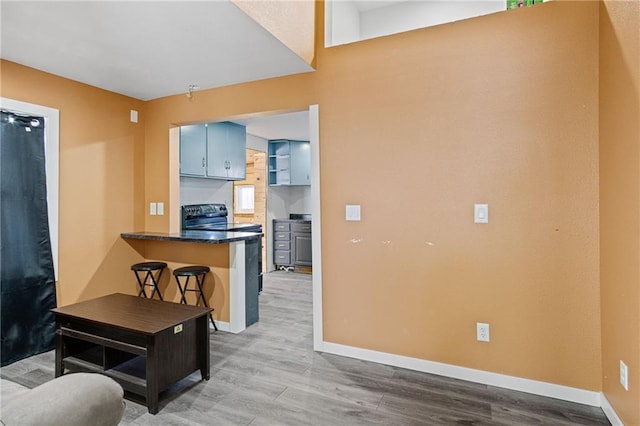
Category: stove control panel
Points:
column 201, row 210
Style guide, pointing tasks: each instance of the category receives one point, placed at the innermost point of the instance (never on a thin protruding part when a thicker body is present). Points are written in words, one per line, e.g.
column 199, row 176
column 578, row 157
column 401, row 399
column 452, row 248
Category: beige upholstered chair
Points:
column 79, row 399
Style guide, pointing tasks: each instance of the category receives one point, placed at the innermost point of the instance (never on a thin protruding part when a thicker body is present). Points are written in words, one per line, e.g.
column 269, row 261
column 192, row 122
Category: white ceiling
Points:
column 146, row 49
column 282, row 126
column 366, row 5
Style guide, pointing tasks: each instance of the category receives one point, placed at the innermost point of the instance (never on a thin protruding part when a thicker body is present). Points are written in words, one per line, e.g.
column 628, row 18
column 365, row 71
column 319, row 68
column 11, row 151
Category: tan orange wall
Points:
column 620, row 202
column 501, row 109
column 101, row 177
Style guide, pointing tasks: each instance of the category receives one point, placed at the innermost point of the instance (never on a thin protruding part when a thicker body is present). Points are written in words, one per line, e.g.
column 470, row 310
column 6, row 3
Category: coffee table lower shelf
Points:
column 131, row 383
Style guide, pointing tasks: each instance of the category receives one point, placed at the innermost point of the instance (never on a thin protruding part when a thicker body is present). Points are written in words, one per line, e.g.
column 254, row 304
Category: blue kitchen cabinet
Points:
column 213, row 150
column 226, row 151
column 289, row 163
column 237, row 154
column 279, row 158
column 300, row 163
column 193, row 150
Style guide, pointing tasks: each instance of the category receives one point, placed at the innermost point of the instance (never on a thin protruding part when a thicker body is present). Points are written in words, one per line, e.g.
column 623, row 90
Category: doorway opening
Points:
column 258, row 139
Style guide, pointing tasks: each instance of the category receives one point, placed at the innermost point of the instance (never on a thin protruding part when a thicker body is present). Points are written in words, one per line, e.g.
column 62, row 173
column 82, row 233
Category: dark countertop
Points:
column 207, row 237
column 286, row 219
column 300, row 216
column 225, row 227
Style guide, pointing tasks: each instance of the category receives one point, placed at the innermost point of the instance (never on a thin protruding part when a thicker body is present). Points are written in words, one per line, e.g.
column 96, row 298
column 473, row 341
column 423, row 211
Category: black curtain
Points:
column 26, row 264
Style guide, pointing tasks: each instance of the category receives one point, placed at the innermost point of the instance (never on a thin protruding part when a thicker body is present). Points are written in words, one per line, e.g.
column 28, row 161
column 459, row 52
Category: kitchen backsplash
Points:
column 196, row 191
column 300, row 199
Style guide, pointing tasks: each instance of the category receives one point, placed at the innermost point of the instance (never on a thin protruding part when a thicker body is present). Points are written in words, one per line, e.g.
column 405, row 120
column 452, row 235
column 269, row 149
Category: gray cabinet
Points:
column 282, row 243
column 213, row 150
column 291, row 243
column 301, row 243
column 289, row 162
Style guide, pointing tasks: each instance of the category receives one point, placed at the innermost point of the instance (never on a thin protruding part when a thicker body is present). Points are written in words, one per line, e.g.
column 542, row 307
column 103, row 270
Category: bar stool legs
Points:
column 198, row 272
column 149, row 279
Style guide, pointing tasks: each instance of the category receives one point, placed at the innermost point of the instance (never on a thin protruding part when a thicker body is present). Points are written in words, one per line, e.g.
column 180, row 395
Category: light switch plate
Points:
column 624, row 375
column 152, row 209
column 481, row 213
column 134, row 116
column 352, row 212
column 160, row 209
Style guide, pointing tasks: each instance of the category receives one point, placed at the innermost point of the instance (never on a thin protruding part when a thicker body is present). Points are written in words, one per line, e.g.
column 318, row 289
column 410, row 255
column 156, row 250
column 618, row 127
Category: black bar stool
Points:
column 150, row 279
column 199, row 272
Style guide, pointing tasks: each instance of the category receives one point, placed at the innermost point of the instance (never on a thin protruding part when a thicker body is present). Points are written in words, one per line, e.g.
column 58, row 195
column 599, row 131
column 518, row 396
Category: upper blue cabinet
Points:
column 193, row 150
column 289, row 162
column 226, row 151
column 213, row 150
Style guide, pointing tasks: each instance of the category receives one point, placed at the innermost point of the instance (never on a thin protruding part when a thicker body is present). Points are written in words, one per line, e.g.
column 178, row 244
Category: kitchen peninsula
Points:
column 232, row 286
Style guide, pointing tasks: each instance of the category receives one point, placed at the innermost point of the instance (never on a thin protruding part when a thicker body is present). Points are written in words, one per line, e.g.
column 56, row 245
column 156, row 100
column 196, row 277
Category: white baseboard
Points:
column 222, row 326
column 611, row 414
column 478, row 376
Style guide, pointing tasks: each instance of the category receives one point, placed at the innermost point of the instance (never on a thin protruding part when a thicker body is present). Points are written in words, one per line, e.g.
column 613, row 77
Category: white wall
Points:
column 343, row 18
column 282, row 200
column 300, row 199
column 411, row 15
column 257, row 143
column 200, row 191
column 345, row 23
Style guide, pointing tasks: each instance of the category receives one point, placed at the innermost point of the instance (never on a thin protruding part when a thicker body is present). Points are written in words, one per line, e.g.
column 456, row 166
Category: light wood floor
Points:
column 269, row 375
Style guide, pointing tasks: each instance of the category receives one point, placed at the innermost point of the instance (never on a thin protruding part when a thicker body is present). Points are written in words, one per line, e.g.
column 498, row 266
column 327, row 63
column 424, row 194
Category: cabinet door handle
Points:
column 202, row 161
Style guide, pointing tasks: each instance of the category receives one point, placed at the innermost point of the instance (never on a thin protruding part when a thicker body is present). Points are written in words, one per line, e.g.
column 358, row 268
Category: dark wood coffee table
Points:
column 145, row 345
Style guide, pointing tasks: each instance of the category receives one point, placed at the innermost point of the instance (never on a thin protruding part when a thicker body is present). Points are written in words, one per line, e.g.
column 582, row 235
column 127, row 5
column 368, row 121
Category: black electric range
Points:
column 212, row 217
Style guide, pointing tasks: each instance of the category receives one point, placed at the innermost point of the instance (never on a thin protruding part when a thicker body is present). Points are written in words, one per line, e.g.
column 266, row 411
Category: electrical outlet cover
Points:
column 482, row 332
